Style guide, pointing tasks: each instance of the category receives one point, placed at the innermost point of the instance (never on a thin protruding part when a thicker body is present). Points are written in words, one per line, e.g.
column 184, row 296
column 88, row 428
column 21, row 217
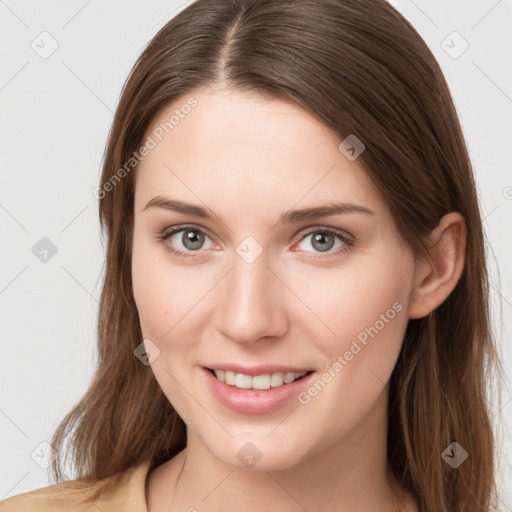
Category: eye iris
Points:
column 194, row 238
column 319, row 237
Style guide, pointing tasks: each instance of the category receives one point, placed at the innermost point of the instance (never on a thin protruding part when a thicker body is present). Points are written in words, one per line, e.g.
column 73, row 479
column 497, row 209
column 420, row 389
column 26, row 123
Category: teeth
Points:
column 241, row 381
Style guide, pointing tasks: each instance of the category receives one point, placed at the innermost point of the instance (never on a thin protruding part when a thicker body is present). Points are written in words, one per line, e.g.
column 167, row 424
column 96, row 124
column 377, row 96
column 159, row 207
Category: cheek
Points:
column 165, row 297
column 365, row 309
column 168, row 297
column 154, row 289
column 160, row 304
column 354, row 303
column 150, row 297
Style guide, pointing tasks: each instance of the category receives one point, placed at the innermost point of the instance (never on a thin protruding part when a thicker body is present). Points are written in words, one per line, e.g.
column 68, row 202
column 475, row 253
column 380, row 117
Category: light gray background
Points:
column 56, row 113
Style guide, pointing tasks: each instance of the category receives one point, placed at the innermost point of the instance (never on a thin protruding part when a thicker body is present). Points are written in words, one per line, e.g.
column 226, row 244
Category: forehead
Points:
column 242, row 149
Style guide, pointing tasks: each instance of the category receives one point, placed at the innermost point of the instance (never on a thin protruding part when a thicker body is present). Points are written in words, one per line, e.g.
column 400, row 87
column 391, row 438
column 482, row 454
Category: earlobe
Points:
column 437, row 278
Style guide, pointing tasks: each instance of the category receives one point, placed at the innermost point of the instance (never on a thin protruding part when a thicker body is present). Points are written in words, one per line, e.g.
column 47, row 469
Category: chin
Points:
column 259, row 454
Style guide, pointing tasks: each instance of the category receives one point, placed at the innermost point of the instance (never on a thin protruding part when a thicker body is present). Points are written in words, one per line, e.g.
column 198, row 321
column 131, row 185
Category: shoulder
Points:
column 60, row 496
column 118, row 493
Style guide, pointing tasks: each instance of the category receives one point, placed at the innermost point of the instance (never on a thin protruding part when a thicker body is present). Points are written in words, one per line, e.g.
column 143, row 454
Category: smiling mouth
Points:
column 257, row 382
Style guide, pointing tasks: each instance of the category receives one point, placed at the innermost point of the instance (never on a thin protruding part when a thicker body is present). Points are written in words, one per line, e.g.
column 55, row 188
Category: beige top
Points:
column 127, row 495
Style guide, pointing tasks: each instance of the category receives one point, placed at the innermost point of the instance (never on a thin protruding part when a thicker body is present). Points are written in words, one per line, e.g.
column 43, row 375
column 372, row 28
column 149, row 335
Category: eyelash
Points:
column 165, row 235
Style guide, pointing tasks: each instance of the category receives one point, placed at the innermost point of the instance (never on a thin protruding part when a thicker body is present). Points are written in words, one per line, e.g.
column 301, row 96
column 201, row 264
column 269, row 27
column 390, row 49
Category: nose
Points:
column 251, row 302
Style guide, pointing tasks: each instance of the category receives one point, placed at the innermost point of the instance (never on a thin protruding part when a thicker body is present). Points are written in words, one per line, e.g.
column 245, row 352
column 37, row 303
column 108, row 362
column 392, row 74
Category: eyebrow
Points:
column 289, row 217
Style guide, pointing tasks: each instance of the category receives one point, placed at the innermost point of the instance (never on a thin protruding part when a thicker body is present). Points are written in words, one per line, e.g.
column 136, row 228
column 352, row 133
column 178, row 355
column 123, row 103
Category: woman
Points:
column 242, row 363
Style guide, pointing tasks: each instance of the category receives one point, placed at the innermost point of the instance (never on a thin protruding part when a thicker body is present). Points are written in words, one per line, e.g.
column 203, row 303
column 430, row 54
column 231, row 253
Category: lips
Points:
column 253, row 401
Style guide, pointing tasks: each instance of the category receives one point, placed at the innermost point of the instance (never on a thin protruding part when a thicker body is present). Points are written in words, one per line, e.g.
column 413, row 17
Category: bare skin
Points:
column 250, row 159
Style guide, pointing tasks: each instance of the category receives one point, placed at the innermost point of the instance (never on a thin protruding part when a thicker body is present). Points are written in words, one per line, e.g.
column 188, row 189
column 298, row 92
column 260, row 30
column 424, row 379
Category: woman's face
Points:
column 261, row 285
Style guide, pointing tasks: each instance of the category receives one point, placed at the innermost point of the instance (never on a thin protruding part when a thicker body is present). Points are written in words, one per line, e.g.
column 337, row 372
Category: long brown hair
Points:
column 360, row 68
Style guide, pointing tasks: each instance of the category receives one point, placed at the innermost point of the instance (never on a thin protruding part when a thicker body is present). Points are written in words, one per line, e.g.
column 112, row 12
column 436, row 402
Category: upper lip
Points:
column 262, row 369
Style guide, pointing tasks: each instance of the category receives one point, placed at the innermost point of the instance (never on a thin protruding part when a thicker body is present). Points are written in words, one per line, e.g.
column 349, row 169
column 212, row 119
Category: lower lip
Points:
column 250, row 401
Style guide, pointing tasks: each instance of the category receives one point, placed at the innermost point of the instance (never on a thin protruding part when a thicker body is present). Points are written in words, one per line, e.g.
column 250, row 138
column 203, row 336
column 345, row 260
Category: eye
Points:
column 191, row 240
column 323, row 240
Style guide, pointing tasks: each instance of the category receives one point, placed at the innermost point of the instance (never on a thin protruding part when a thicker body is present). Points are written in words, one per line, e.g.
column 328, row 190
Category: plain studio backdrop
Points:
column 63, row 66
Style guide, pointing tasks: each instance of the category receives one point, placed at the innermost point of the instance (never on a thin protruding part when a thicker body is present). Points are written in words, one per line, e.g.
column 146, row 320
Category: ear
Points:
column 437, row 277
